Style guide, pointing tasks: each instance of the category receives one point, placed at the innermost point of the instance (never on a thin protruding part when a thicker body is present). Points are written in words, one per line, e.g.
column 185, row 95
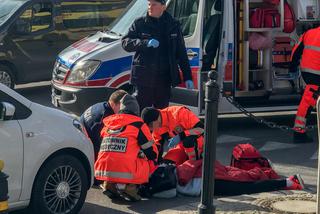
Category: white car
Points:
column 47, row 156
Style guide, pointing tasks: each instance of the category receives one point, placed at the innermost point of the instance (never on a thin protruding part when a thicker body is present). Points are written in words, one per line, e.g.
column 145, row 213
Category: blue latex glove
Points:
column 189, row 84
column 153, row 43
column 174, row 141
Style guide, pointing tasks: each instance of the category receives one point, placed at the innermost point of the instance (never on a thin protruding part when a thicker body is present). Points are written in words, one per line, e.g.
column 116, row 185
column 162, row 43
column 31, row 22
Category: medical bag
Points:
column 245, row 156
column 281, row 52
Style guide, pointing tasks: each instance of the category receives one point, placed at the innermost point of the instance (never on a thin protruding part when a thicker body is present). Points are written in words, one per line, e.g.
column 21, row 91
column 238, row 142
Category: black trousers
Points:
column 156, row 96
column 228, row 188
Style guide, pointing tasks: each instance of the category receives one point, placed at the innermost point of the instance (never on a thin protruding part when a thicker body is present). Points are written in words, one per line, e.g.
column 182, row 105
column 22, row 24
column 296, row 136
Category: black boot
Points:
column 301, row 138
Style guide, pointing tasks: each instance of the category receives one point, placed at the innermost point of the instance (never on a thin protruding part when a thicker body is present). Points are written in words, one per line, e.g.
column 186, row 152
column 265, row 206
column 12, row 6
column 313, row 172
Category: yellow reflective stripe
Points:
column 196, row 131
column 41, row 14
column 1, row 165
column 302, row 119
column 39, row 27
column 85, row 3
column 4, row 205
column 27, row 14
column 311, row 47
column 312, row 71
column 92, row 15
column 112, row 174
column 147, row 145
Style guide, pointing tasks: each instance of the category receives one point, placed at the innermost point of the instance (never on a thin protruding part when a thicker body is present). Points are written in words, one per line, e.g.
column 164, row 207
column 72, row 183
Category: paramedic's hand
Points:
column 174, row 141
column 153, row 43
column 189, row 84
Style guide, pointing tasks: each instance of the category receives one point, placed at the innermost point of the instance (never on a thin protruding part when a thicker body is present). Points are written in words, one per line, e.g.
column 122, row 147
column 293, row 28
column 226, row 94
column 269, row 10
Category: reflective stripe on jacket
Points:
column 119, row 160
column 179, row 120
column 309, row 44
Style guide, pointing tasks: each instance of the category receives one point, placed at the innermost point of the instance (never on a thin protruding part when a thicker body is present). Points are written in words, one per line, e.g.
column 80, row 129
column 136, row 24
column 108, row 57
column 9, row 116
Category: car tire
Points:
column 6, row 76
column 61, row 186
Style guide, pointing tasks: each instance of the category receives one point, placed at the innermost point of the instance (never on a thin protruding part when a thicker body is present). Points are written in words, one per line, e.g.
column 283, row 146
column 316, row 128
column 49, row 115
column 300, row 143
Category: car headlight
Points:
column 83, row 70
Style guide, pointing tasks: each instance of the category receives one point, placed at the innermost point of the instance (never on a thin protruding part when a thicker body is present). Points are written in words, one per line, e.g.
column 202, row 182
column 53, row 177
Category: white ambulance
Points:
column 222, row 35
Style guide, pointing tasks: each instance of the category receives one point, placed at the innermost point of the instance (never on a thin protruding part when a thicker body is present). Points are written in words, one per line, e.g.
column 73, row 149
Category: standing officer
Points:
column 93, row 116
column 179, row 128
column 308, row 50
column 160, row 50
column 127, row 154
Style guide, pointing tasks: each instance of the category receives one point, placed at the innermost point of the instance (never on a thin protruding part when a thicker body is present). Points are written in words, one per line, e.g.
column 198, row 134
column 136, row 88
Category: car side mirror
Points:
column 7, row 111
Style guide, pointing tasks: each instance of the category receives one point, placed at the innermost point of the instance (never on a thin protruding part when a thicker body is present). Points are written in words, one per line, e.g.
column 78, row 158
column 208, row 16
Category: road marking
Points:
column 271, row 146
column 231, row 139
column 314, row 156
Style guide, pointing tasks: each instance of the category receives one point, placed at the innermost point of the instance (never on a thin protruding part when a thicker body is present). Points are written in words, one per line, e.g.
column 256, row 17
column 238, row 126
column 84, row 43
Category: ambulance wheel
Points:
column 60, row 186
column 6, row 76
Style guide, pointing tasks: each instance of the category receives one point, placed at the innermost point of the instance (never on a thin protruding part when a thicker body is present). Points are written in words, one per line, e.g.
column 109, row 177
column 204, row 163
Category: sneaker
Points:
column 130, row 193
column 297, row 181
column 301, row 138
column 110, row 190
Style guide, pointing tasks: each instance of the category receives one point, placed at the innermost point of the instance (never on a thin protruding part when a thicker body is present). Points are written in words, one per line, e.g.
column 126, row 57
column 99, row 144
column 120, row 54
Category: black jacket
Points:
column 159, row 66
column 92, row 121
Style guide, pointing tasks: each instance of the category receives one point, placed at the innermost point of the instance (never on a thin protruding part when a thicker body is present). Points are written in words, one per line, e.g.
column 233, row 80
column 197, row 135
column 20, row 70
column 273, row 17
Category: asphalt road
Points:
column 288, row 158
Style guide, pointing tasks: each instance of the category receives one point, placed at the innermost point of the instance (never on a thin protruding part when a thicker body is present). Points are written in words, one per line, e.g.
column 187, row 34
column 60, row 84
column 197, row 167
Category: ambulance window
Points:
column 82, row 14
column 186, row 11
column 35, row 18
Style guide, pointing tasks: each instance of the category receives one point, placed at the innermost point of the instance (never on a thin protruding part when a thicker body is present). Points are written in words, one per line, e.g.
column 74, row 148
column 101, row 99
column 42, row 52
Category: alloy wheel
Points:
column 62, row 190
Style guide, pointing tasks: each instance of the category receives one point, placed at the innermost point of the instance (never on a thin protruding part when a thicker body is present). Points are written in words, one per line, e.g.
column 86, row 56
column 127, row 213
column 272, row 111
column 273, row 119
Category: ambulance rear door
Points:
column 190, row 14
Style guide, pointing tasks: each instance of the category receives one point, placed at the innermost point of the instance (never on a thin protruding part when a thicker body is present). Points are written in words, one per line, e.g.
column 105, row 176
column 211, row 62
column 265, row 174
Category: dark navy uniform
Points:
column 92, row 120
column 156, row 70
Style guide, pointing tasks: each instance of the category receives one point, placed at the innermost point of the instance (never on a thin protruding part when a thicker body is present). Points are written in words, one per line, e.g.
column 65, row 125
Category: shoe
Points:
column 110, row 190
column 301, row 138
column 130, row 193
column 297, row 181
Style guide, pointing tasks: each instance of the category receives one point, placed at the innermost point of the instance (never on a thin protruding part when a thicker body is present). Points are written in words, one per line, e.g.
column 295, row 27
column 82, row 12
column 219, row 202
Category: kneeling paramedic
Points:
column 308, row 49
column 127, row 154
column 177, row 128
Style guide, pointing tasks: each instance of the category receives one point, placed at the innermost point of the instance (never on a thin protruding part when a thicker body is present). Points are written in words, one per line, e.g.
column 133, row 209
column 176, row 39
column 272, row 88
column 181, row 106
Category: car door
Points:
column 34, row 37
column 189, row 13
column 11, row 146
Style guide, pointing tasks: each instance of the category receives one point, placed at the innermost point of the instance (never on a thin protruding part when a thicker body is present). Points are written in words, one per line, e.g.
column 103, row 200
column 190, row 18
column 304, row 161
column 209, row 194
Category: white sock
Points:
column 289, row 182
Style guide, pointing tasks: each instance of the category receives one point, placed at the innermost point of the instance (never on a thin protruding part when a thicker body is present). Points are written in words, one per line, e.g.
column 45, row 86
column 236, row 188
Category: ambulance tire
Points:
column 61, row 186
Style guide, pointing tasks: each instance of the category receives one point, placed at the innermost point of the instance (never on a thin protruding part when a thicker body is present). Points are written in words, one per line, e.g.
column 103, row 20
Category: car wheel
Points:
column 60, row 186
column 6, row 76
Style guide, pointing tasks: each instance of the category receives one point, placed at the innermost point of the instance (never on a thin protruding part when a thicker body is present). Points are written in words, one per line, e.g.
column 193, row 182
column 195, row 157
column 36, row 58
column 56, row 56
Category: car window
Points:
column 35, row 18
column 7, row 7
column 21, row 112
column 186, row 11
column 82, row 14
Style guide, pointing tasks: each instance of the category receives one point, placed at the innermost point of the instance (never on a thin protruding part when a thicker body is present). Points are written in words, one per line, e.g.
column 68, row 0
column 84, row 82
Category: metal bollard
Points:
column 206, row 205
column 3, row 190
column 318, row 182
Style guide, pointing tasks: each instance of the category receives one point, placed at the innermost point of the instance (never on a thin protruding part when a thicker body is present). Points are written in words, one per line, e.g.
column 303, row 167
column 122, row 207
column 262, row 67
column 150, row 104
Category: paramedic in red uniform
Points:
column 176, row 128
column 160, row 51
column 308, row 50
column 127, row 154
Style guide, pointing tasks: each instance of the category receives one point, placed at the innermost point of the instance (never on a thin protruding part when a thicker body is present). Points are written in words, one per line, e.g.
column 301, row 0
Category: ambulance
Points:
column 247, row 42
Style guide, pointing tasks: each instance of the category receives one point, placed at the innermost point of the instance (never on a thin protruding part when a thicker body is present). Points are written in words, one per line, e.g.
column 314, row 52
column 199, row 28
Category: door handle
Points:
column 29, row 134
